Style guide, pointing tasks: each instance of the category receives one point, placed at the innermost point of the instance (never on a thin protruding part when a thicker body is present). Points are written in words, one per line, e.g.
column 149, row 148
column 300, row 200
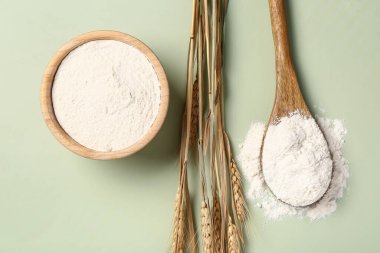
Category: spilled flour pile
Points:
column 297, row 168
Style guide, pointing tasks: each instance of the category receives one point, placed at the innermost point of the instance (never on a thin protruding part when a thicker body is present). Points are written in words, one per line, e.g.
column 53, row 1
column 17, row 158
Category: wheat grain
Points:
column 237, row 191
column 216, row 222
column 194, row 114
column 206, row 228
column 179, row 223
column 233, row 239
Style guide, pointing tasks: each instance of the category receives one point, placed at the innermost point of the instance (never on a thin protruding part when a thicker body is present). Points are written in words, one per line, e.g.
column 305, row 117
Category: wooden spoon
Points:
column 288, row 94
column 288, row 97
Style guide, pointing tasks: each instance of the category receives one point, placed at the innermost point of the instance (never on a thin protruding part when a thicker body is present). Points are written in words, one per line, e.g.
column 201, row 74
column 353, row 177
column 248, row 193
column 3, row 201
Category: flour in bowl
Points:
column 106, row 95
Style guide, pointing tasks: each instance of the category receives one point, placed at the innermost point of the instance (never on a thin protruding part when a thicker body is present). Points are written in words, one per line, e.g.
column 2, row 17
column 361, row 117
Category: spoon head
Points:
column 295, row 160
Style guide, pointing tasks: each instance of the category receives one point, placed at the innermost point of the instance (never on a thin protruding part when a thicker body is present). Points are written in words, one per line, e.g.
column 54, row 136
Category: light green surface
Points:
column 54, row 201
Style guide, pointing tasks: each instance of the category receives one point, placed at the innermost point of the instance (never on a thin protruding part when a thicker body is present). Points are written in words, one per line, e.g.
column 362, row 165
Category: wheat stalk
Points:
column 238, row 197
column 233, row 237
column 183, row 222
column 203, row 128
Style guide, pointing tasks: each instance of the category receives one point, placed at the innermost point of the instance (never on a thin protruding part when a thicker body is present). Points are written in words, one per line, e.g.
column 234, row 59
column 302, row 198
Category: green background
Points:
column 52, row 200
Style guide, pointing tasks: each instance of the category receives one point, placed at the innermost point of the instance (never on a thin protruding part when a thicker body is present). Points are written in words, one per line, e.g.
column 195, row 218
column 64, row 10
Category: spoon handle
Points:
column 280, row 31
column 288, row 94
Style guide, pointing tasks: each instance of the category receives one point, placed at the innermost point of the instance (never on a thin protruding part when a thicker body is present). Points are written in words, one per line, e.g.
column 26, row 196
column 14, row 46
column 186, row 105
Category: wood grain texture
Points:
column 288, row 94
column 47, row 103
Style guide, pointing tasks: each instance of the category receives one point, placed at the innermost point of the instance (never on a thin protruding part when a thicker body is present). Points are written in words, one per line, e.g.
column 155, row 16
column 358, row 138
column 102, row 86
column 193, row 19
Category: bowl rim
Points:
column 46, row 100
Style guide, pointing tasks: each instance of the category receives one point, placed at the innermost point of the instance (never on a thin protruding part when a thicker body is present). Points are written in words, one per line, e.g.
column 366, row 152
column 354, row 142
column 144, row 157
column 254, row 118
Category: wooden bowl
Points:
column 47, row 103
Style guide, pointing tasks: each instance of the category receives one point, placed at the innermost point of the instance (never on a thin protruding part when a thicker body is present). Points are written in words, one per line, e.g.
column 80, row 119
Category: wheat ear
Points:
column 237, row 191
column 206, row 228
column 194, row 114
column 216, row 222
column 179, row 223
column 233, row 237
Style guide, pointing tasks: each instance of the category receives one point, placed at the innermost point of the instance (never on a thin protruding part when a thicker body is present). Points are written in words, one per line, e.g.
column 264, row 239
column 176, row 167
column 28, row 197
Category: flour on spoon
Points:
column 296, row 161
column 249, row 157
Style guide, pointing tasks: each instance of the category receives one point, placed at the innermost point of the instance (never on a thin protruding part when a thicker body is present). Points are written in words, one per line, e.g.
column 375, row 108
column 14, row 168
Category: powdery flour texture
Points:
column 296, row 161
column 106, row 95
column 249, row 157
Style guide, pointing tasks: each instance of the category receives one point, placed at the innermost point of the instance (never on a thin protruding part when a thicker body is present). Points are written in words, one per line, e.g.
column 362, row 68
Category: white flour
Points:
column 249, row 156
column 106, row 95
column 296, row 160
